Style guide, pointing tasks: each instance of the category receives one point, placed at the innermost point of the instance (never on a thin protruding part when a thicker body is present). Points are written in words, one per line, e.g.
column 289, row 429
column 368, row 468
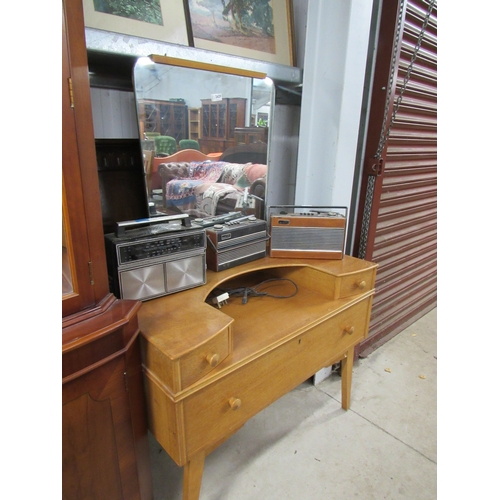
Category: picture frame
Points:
column 262, row 116
column 170, row 13
column 249, row 36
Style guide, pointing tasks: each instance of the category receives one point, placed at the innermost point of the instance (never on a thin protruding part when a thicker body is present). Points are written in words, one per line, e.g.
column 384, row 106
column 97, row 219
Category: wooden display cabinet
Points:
column 105, row 452
column 250, row 135
column 164, row 117
column 218, row 122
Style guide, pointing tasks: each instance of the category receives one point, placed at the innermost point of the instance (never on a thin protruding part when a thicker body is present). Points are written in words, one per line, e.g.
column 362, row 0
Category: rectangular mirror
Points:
column 204, row 133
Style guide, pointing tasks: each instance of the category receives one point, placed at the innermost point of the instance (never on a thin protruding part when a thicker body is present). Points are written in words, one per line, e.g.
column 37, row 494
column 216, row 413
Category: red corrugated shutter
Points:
column 401, row 203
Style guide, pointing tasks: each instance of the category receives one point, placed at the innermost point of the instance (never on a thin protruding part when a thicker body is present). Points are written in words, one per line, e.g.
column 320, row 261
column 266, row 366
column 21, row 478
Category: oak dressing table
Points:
column 209, row 370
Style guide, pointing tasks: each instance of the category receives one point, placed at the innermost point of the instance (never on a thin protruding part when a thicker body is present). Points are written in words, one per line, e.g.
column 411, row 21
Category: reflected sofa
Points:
column 204, row 187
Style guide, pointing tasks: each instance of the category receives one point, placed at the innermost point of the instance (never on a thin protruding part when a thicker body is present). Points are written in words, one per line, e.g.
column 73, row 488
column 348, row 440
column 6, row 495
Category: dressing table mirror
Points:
column 204, row 132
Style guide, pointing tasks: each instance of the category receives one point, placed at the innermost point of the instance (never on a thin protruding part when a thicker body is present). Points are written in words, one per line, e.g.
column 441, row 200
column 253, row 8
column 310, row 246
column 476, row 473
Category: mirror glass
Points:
column 204, row 138
column 67, row 274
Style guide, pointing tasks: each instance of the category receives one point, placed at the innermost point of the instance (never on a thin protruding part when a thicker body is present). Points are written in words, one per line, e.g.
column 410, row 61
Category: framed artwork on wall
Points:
column 257, row 29
column 163, row 20
column 262, row 119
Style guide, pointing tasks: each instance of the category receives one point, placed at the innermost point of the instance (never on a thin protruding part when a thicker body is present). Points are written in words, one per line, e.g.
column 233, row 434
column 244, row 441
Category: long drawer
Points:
column 221, row 408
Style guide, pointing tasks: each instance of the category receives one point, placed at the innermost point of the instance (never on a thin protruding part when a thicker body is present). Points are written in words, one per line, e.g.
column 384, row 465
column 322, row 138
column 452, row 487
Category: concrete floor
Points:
column 305, row 446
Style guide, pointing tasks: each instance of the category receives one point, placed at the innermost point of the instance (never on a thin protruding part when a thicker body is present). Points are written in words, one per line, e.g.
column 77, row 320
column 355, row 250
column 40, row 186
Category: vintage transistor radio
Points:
column 307, row 232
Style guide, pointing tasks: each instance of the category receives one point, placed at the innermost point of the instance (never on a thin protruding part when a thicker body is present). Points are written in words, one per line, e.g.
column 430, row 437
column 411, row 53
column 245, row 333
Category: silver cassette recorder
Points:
column 166, row 256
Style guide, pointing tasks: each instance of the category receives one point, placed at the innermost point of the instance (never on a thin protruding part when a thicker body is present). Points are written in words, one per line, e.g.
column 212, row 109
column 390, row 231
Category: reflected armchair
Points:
column 189, row 144
column 165, row 145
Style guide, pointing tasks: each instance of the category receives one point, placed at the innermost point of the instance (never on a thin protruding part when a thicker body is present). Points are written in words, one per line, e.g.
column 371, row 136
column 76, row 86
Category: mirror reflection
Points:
column 67, row 275
column 204, row 137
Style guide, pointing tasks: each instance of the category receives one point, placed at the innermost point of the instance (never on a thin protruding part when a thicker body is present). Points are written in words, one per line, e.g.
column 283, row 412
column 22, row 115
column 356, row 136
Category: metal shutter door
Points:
column 402, row 237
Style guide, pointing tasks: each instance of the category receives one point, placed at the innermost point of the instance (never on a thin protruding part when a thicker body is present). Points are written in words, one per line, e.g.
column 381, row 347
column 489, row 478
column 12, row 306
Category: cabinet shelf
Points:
column 194, row 123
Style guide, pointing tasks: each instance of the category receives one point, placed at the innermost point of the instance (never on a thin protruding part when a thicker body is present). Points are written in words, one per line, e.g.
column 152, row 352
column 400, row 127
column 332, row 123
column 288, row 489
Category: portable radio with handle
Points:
column 307, row 232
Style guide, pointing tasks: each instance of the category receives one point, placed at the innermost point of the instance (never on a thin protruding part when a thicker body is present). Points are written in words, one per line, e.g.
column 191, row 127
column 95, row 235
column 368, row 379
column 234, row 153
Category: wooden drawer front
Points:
column 354, row 284
column 208, row 414
column 204, row 359
column 179, row 373
column 163, row 420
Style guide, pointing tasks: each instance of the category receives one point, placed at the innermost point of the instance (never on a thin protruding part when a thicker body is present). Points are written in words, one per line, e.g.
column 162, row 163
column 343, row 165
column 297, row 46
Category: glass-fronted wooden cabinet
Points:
column 218, row 122
column 164, row 118
column 105, row 452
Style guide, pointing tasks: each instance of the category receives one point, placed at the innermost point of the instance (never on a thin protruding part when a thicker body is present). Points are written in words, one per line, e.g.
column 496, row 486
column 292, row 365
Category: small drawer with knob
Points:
column 202, row 360
column 356, row 283
column 179, row 372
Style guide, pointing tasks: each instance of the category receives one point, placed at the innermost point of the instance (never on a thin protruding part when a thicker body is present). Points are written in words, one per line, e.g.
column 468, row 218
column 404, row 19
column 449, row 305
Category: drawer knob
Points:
column 362, row 284
column 349, row 330
column 234, row 403
column 212, row 359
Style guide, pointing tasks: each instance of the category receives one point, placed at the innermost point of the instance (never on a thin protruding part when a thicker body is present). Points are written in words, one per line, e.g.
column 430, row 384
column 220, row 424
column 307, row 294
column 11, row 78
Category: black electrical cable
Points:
column 247, row 291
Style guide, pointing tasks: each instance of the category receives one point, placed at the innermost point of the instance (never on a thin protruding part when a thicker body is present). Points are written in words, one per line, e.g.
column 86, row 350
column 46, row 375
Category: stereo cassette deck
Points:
column 168, row 260
column 236, row 242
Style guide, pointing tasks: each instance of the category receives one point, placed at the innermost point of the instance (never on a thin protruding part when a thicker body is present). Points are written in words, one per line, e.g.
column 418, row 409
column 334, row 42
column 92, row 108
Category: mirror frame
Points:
column 212, row 68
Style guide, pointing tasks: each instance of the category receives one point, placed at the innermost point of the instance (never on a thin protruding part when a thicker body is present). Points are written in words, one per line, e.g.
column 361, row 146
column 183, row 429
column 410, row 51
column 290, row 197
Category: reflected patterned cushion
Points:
column 197, row 187
column 197, row 197
column 240, row 175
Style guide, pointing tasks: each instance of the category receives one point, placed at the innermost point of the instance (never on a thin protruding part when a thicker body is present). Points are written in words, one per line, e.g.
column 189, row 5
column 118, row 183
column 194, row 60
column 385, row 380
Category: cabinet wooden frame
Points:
column 105, row 452
column 81, row 184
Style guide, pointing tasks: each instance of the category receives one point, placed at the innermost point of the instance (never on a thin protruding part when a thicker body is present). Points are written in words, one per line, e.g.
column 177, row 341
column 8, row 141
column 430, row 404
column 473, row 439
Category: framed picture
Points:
column 262, row 119
column 257, row 29
column 163, row 20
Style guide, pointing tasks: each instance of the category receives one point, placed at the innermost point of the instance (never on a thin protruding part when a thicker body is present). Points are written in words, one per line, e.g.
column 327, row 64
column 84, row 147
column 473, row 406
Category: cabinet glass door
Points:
column 67, row 258
column 213, row 120
column 222, row 121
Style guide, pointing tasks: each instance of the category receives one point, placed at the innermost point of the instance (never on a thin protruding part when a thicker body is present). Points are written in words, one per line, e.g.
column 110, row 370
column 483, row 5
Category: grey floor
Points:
column 305, row 446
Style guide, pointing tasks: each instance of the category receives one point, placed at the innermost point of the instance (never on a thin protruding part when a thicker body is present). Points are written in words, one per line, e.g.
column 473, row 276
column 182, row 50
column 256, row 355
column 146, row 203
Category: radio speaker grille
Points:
column 185, row 273
column 142, row 283
column 155, row 280
column 239, row 253
column 307, row 238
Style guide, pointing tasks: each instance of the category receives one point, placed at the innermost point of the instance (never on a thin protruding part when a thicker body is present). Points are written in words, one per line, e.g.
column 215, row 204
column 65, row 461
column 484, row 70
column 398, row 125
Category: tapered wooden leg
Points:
column 346, row 374
column 193, row 472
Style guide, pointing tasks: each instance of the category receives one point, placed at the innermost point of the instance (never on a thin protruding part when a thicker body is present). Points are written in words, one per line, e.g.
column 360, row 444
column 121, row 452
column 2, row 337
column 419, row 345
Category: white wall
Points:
column 336, row 48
